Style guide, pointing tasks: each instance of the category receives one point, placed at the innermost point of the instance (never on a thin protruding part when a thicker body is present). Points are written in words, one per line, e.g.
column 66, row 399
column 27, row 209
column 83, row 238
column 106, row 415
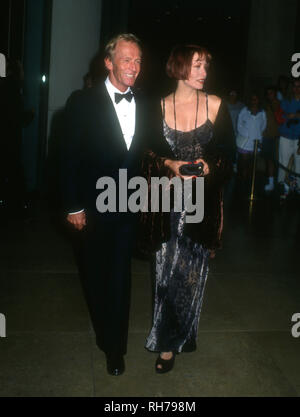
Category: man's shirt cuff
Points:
column 76, row 212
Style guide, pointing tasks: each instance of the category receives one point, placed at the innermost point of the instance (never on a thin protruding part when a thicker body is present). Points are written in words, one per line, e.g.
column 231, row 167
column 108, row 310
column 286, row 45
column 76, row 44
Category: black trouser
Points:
column 106, row 280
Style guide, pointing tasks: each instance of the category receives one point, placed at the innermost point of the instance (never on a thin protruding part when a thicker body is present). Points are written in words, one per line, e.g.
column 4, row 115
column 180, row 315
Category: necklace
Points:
column 197, row 107
column 196, row 119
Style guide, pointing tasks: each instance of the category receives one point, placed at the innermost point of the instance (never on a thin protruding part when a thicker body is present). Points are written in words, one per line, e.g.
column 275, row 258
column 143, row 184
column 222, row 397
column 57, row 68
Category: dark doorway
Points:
column 12, row 26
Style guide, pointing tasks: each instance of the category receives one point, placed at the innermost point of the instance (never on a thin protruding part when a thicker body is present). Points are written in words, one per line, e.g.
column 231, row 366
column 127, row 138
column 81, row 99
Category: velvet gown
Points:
column 181, row 264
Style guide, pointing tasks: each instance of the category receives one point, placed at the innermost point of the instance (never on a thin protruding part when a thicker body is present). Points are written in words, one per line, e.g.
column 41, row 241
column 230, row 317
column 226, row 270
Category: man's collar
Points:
column 112, row 89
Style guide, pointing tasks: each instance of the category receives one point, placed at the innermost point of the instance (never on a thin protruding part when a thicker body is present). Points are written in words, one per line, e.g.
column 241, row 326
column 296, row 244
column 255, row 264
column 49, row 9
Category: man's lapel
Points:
column 108, row 119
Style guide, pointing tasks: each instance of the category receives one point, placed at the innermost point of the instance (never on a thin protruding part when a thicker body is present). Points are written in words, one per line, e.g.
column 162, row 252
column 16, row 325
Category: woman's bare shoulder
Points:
column 214, row 101
column 168, row 98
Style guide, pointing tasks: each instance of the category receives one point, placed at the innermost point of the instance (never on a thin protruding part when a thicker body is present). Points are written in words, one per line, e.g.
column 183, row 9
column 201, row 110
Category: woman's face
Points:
column 198, row 72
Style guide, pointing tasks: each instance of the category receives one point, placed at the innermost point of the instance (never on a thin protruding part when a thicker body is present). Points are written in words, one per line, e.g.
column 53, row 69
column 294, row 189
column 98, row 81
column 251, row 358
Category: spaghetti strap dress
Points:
column 181, row 266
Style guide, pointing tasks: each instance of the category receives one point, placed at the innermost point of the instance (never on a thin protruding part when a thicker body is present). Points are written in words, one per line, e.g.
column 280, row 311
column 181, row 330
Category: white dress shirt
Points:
column 251, row 126
column 126, row 115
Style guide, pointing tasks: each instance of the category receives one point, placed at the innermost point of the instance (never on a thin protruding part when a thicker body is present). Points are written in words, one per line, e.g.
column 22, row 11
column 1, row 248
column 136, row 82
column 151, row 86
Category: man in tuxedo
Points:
column 107, row 128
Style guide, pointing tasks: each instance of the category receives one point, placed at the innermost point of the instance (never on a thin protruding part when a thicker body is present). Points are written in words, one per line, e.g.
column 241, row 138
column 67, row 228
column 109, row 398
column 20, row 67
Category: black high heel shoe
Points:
column 166, row 364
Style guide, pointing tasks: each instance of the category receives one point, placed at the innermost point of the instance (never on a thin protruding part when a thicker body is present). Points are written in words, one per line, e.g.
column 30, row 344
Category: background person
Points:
column 234, row 107
column 270, row 135
column 251, row 124
column 283, row 85
column 289, row 131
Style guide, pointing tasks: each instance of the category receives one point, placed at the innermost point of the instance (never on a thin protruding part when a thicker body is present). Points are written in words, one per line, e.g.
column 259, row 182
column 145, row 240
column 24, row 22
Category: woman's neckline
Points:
column 188, row 131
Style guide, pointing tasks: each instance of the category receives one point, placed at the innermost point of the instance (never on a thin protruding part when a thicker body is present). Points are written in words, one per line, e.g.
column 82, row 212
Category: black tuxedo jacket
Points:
column 94, row 146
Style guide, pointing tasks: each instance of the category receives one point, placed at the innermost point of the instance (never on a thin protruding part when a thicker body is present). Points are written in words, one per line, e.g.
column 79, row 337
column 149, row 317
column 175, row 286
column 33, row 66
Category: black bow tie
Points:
column 119, row 97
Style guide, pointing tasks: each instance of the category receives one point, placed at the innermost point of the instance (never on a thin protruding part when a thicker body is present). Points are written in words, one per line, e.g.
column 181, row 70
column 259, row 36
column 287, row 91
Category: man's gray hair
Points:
column 111, row 45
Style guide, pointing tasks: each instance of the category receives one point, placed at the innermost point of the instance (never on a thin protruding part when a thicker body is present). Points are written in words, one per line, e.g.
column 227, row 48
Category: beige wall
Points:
column 74, row 41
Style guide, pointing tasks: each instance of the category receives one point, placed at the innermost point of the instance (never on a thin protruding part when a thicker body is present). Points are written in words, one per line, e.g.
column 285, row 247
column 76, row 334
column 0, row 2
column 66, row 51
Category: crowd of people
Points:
column 273, row 121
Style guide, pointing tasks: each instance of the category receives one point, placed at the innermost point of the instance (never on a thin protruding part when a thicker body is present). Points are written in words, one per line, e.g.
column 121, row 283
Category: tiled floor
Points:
column 245, row 345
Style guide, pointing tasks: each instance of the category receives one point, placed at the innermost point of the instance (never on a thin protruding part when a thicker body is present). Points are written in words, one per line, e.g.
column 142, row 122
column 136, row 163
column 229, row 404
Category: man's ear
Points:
column 108, row 64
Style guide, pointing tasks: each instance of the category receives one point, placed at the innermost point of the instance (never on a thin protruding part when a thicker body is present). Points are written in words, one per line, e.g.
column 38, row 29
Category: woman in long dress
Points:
column 193, row 122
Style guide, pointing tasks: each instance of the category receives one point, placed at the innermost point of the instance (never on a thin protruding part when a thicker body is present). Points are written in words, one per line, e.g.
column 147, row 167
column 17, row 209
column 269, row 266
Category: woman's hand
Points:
column 174, row 166
column 205, row 166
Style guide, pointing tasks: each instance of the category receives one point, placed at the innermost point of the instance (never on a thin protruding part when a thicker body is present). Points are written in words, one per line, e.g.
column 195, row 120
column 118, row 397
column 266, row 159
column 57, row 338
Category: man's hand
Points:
column 78, row 220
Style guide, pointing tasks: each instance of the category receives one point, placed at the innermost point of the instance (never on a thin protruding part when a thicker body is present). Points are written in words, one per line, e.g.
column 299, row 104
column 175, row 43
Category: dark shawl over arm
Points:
column 219, row 154
column 155, row 227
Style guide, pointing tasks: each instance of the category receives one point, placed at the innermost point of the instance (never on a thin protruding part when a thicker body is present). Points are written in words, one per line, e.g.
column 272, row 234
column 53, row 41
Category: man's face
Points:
column 125, row 65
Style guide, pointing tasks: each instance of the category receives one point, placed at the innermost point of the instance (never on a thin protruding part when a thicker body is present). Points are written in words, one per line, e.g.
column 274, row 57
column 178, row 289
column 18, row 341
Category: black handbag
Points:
column 192, row 169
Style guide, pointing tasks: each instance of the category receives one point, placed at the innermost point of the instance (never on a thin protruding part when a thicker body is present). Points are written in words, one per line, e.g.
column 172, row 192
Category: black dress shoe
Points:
column 115, row 365
column 166, row 364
